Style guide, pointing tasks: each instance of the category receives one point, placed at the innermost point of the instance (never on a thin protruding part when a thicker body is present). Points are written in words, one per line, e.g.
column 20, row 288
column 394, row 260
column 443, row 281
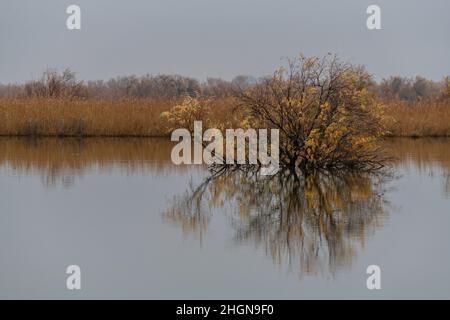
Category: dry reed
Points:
column 79, row 117
column 421, row 119
column 135, row 117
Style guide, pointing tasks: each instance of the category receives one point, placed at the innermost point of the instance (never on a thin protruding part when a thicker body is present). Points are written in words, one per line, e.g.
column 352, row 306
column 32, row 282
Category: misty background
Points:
column 218, row 38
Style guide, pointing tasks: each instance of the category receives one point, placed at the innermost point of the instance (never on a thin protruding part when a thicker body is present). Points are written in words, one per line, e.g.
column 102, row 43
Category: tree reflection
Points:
column 312, row 224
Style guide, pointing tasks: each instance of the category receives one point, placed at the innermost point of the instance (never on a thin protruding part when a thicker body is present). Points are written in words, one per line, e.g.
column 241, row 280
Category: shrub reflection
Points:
column 311, row 224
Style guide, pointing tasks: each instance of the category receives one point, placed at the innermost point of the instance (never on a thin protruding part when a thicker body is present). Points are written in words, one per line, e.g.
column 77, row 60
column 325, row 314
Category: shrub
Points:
column 325, row 113
column 183, row 115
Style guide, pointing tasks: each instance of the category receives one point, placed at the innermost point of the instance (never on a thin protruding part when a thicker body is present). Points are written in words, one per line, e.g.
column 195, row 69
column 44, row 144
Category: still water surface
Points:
column 140, row 227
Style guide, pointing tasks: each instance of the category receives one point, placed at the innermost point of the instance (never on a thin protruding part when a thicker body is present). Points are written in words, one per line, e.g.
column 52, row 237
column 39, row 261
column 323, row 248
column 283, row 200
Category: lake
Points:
column 140, row 227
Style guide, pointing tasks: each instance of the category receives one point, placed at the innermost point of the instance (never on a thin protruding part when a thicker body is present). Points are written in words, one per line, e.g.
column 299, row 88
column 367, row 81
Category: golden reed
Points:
column 142, row 116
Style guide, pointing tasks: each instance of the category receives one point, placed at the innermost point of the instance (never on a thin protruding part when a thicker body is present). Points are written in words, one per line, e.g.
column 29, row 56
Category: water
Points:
column 121, row 211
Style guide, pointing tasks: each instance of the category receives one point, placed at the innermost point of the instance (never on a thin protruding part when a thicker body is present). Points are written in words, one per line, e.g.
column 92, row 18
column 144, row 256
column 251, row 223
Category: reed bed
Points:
column 420, row 119
column 141, row 117
column 82, row 117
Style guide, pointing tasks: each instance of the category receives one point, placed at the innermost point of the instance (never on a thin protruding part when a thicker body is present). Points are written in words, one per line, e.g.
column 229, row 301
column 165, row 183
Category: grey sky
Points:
column 219, row 38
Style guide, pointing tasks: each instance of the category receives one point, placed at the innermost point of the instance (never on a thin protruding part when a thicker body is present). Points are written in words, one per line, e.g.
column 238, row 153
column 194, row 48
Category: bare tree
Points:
column 55, row 85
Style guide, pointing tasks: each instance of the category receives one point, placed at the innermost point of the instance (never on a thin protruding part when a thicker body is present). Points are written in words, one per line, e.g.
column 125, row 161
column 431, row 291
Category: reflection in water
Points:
column 430, row 156
column 314, row 224
column 65, row 159
column 61, row 161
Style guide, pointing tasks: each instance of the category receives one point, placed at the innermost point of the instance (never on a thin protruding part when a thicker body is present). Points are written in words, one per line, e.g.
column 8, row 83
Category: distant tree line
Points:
column 56, row 84
column 64, row 84
column 411, row 89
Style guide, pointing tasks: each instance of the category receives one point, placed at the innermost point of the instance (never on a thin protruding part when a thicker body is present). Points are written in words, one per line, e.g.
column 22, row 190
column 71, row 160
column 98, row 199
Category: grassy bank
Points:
column 141, row 117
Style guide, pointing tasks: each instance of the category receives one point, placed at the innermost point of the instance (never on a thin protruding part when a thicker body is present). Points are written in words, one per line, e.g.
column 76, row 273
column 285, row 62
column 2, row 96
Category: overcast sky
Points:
column 219, row 38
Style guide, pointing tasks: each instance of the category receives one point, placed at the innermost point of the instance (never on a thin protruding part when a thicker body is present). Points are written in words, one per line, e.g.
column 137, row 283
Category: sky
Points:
column 219, row 38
